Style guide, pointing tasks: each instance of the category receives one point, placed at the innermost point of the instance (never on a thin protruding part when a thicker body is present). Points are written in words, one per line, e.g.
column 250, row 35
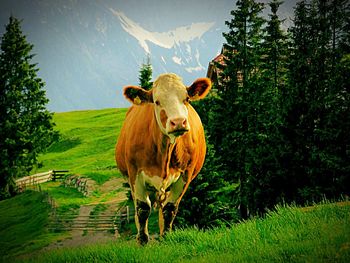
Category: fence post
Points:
column 127, row 214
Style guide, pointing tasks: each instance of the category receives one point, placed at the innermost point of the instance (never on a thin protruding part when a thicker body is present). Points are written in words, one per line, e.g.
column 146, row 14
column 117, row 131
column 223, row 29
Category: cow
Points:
column 161, row 147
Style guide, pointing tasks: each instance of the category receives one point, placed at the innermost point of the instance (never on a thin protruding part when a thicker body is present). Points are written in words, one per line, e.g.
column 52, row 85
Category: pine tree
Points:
column 206, row 203
column 278, row 126
column 146, row 75
column 275, row 50
column 240, row 94
column 330, row 159
column 340, row 23
column 267, row 175
column 26, row 127
column 318, row 100
column 295, row 103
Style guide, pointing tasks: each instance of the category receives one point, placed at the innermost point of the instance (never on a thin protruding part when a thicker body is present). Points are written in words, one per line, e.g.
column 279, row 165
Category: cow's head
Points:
column 170, row 98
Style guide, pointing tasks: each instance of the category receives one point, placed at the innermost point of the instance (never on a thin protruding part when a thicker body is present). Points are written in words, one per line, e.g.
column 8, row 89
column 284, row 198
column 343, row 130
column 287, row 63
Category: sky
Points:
column 79, row 49
column 154, row 15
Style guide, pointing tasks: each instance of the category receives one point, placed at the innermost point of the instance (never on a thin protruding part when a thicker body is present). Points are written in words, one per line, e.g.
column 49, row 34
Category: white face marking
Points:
column 170, row 98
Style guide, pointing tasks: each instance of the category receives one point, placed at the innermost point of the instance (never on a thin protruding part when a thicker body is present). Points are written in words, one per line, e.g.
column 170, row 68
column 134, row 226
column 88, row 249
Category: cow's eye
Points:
column 157, row 103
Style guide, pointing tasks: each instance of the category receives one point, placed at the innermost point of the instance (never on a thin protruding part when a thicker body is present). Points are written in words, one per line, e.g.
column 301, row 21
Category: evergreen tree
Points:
column 26, row 127
column 240, row 95
column 329, row 158
column 206, row 203
column 146, row 75
column 267, row 175
column 340, row 23
column 275, row 51
column 278, row 122
column 295, row 102
column 317, row 102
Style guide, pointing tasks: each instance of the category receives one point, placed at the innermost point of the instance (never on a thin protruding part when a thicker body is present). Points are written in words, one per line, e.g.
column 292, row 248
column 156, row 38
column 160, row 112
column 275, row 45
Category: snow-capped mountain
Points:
column 87, row 50
column 182, row 49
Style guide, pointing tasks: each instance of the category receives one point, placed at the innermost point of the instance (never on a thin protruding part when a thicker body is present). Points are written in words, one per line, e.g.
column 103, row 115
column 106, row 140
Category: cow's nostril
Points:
column 179, row 123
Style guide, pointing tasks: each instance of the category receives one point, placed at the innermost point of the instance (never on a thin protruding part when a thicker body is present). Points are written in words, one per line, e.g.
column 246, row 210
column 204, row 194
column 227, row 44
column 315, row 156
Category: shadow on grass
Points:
column 64, row 144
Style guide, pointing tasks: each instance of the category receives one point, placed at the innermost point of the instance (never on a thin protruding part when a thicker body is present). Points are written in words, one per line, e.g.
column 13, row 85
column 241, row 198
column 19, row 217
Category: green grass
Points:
column 22, row 224
column 87, row 142
column 66, row 197
column 289, row 234
column 86, row 147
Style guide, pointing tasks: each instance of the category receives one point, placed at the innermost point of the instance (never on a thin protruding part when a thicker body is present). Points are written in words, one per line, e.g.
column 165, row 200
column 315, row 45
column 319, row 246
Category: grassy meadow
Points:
column 289, row 234
column 86, row 146
column 320, row 233
column 22, row 224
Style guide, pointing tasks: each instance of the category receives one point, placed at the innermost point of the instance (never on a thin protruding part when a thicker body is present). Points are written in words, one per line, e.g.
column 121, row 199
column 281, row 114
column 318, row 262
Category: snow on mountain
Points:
column 184, row 50
column 177, row 60
column 162, row 39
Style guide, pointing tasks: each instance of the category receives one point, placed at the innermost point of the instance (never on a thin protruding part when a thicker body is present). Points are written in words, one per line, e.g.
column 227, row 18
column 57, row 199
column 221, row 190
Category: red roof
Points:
column 219, row 59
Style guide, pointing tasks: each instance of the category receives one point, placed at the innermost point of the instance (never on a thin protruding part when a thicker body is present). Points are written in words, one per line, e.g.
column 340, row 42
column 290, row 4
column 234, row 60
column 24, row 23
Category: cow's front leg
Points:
column 143, row 211
column 168, row 211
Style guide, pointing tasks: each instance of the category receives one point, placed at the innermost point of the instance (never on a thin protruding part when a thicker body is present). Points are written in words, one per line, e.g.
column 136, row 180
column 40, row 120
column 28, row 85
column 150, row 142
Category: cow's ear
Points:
column 199, row 89
column 137, row 95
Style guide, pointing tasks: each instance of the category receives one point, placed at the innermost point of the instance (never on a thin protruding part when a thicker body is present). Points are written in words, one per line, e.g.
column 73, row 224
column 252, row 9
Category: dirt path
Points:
column 80, row 237
column 109, row 187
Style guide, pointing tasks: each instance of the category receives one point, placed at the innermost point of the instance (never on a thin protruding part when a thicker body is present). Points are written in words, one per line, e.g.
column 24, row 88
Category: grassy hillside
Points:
column 87, row 143
column 290, row 234
column 317, row 234
column 86, row 147
column 22, row 224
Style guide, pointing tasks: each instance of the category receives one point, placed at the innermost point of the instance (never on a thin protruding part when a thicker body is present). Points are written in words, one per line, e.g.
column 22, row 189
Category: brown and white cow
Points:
column 161, row 147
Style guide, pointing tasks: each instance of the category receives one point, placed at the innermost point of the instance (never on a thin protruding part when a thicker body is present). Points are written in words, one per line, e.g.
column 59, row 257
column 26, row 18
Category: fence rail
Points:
column 39, row 178
column 69, row 222
column 99, row 222
column 88, row 223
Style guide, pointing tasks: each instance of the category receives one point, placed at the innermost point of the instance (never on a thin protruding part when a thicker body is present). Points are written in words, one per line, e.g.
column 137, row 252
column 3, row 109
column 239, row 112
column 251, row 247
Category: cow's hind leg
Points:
column 143, row 211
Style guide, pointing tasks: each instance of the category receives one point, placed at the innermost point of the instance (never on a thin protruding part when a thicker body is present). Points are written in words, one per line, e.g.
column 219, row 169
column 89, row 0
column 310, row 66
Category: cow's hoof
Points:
column 142, row 239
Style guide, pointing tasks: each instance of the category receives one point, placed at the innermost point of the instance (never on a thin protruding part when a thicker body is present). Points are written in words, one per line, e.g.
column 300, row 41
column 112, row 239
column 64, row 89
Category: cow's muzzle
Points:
column 179, row 132
column 178, row 126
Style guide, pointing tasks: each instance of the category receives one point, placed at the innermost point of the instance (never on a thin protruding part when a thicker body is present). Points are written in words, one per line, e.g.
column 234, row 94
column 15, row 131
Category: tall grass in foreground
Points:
column 289, row 234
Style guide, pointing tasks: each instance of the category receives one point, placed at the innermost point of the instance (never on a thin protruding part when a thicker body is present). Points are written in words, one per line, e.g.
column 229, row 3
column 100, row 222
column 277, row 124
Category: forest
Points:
column 277, row 120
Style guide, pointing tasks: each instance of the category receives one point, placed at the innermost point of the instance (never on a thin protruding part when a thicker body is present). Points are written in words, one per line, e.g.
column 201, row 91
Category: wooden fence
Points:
column 112, row 222
column 69, row 222
column 39, row 178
